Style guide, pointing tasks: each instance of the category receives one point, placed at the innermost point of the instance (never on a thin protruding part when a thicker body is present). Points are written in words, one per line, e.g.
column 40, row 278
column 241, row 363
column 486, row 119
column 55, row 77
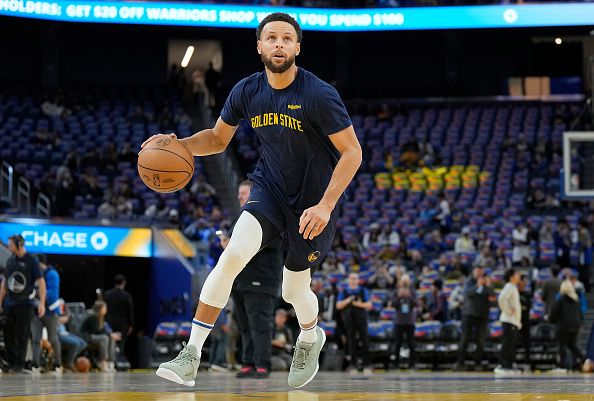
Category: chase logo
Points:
column 312, row 257
column 294, row 106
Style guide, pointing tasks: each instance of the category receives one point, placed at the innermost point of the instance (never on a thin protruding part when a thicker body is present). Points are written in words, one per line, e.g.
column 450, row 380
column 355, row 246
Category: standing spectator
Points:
column 405, row 303
column 120, row 310
column 475, row 317
column 551, row 289
column 438, row 308
column 16, row 298
column 585, row 254
column 521, row 244
column 371, row 236
column 464, row 243
column 50, row 319
column 567, row 315
column 212, row 79
column 511, row 320
column 282, row 342
column 562, row 240
column 94, row 331
column 444, row 215
column 353, row 303
column 526, row 302
column 381, row 278
column 254, row 293
column 71, row 344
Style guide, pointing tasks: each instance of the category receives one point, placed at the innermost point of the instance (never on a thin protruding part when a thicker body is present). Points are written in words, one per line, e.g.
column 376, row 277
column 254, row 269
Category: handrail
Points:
column 23, row 195
column 43, row 205
column 6, row 179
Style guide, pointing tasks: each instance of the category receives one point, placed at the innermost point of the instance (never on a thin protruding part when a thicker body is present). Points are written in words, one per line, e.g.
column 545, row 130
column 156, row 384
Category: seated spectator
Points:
column 435, row 246
column 72, row 345
column 94, row 331
column 371, row 236
column 200, row 186
column 108, row 209
column 546, row 232
column 331, row 265
column 483, row 241
column 282, row 342
column 484, row 258
column 537, row 199
column 521, row 244
column 456, row 300
column 158, row 210
column 464, row 244
column 444, row 216
column 389, row 237
column 502, row 261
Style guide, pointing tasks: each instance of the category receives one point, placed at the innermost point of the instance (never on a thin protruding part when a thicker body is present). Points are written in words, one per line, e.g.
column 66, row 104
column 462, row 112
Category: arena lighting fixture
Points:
column 558, row 41
column 187, row 56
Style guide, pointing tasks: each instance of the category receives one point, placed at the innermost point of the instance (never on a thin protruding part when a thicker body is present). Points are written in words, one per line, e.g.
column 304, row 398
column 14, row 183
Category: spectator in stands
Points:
column 475, row 317
column 444, row 216
column 464, row 243
column 50, row 319
column 384, row 113
column 94, row 331
column 537, row 199
column 483, row 241
column 562, row 243
column 511, row 320
column 438, row 307
column 389, row 237
column 521, row 244
column 546, row 232
column 212, row 79
column 108, row 209
column 282, row 342
column 551, row 289
column 371, row 236
column 16, row 298
column 331, row 265
column 502, row 261
column 585, row 254
column 484, row 258
column 71, row 344
column 416, row 261
column 63, row 196
column 381, row 278
column 526, row 302
column 120, row 310
column 435, row 246
column 456, row 300
column 353, row 303
column 127, row 155
column 201, row 186
column 158, row 210
column 472, row 281
column 51, row 107
column 567, row 315
column 405, row 303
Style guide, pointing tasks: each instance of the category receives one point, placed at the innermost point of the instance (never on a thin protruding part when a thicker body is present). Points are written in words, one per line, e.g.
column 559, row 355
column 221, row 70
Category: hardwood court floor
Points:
column 327, row 386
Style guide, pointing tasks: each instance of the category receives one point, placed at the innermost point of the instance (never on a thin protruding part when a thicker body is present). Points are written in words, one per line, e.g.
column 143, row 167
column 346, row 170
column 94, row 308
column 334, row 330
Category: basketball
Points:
column 82, row 364
column 165, row 165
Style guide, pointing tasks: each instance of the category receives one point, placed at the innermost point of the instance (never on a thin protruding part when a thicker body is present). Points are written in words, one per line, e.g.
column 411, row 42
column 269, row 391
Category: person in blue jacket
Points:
column 50, row 319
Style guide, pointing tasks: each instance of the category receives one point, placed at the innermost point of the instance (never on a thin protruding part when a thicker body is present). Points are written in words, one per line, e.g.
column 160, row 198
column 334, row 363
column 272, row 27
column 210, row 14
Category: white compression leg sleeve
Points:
column 297, row 292
column 245, row 242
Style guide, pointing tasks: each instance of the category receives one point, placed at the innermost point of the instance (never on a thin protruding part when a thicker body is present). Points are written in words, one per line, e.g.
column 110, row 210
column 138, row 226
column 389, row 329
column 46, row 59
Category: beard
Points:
column 278, row 68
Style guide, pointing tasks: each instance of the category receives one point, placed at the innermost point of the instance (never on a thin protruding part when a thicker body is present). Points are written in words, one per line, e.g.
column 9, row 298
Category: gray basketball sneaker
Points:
column 183, row 368
column 305, row 361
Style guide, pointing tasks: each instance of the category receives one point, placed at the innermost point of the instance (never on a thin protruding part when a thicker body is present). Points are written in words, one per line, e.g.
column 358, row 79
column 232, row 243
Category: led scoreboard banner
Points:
column 211, row 15
column 81, row 240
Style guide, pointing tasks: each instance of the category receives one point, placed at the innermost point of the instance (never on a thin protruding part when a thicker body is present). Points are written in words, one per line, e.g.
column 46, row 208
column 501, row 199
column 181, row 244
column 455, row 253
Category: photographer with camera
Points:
column 353, row 304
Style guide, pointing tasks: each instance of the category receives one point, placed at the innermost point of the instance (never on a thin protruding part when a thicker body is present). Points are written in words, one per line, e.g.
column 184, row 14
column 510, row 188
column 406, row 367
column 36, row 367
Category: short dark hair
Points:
column 438, row 283
column 42, row 258
column 119, row 279
column 284, row 17
column 509, row 273
column 555, row 270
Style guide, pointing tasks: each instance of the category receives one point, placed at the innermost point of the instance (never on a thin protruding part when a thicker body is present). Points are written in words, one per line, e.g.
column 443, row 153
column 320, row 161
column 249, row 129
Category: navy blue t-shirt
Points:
column 293, row 125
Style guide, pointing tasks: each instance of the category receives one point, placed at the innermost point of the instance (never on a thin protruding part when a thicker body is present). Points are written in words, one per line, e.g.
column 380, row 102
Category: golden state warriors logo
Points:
column 312, row 257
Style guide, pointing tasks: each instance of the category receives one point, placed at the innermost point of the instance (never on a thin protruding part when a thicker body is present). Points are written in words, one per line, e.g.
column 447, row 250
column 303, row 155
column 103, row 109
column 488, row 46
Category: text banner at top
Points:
column 211, row 15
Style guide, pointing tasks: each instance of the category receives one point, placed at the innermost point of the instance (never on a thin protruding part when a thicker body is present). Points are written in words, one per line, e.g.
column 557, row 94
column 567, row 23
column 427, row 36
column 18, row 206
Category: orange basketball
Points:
column 165, row 165
column 82, row 364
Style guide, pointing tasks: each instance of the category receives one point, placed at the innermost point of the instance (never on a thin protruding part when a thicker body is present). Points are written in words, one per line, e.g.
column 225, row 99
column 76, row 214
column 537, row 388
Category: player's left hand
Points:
column 314, row 220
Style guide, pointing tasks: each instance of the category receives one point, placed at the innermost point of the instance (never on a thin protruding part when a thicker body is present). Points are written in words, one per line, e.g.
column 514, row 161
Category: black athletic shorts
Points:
column 301, row 253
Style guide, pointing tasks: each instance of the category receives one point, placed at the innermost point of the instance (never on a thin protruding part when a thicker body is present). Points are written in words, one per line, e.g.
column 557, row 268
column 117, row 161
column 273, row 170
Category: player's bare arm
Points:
column 206, row 142
column 314, row 220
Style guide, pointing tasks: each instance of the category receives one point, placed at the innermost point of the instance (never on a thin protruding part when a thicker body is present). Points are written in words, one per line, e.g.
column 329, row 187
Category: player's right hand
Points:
column 152, row 138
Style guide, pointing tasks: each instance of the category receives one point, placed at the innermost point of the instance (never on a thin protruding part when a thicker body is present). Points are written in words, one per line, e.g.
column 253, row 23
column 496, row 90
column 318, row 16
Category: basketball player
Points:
column 310, row 154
